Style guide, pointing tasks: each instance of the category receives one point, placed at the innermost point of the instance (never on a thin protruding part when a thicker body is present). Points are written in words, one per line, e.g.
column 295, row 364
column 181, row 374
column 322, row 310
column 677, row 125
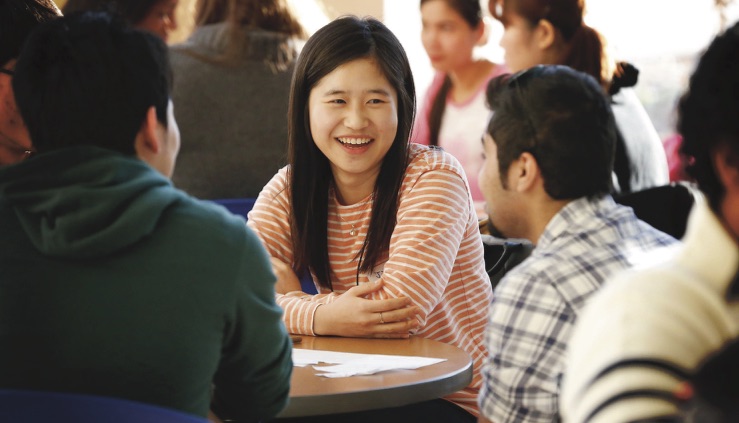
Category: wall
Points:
column 336, row 8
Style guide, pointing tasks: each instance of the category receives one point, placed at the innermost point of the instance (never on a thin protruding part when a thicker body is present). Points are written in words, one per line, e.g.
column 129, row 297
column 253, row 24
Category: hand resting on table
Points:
column 353, row 315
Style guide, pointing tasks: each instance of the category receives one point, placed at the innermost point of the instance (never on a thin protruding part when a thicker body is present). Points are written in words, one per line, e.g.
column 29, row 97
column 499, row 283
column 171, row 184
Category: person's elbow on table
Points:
column 287, row 280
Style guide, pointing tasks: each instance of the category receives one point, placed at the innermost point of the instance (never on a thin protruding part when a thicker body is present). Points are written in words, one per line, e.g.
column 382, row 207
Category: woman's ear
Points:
column 482, row 32
column 545, row 34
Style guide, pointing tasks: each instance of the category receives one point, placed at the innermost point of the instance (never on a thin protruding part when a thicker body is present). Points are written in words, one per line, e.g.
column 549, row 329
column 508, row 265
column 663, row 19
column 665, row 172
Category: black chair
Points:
column 665, row 207
column 503, row 254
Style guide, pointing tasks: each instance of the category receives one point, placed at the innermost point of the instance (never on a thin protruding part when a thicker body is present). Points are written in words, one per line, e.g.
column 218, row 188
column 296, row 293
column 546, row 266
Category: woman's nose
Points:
column 355, row 118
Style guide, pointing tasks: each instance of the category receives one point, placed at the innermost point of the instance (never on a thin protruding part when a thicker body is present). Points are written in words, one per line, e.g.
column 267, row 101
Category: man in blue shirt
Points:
column 549, row 151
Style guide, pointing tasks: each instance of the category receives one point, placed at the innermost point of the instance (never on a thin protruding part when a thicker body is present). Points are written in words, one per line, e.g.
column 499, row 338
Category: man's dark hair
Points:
column 88, row 79
column 17, row 19
column 708, row 113
column 564, row 119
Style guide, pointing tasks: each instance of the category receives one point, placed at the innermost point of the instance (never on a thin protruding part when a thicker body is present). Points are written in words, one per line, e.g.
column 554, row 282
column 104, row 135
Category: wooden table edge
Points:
column 389, row 397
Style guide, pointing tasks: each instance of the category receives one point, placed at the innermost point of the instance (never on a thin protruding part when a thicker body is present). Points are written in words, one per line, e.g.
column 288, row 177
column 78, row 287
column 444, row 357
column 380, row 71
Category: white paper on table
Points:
column 352, row 364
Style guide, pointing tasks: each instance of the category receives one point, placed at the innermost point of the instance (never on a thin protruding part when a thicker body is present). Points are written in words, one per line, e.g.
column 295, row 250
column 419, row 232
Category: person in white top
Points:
column 642, row 338
column 554, row 32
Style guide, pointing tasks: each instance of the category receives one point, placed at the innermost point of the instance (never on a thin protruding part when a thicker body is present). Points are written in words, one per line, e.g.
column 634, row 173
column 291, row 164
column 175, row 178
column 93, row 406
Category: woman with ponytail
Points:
column 454, row 114
column 553, row 32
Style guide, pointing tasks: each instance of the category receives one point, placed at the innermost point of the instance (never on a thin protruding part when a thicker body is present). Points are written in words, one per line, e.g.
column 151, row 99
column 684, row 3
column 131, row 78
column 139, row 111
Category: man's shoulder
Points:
column 577, row 264
column 204, row 220
column 602, row 227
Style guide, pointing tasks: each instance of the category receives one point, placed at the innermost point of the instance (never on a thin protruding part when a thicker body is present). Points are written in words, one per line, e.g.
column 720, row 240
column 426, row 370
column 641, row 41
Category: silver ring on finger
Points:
column 382, row 321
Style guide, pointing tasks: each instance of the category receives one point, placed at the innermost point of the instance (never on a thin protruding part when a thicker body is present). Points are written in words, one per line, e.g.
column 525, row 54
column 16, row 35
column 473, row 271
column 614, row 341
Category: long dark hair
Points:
column 309, row 176
column 585, row 46
column 471, row 12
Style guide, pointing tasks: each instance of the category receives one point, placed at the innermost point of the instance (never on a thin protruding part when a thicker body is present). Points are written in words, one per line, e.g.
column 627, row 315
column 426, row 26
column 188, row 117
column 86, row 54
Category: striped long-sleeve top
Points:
column 435, row 256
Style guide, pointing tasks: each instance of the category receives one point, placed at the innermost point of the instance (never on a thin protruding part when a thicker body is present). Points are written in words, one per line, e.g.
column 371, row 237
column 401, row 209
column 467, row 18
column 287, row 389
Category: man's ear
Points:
column 545, row 34
column 525, row 173
column 726, row 166
column 147, row 141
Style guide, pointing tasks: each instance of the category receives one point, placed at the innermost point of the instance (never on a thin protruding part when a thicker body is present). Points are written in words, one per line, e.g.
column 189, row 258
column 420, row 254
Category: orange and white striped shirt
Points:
column 435, row 256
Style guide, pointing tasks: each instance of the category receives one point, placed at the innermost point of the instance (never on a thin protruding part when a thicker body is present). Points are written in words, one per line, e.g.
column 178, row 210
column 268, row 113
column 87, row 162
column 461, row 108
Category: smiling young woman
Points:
column 386, row 228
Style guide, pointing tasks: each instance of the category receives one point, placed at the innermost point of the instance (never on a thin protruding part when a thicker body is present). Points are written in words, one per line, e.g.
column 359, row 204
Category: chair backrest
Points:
column 237, row 206
column 21, row 406
column 503, row 254
column 665, row 207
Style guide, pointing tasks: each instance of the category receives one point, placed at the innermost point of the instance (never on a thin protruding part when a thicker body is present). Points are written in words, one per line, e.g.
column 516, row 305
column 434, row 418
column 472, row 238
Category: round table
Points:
column 312, row 395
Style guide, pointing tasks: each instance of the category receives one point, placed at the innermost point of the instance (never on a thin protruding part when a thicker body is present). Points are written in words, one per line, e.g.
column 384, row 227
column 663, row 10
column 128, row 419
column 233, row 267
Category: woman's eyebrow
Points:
column 380, row 91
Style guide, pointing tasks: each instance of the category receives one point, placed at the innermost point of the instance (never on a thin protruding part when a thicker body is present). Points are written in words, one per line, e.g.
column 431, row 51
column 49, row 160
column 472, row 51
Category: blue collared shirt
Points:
column 536, row 304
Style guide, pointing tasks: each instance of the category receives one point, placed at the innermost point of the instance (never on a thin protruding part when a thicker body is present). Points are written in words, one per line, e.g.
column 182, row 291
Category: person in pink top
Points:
column 453, row 114
column 386, row 228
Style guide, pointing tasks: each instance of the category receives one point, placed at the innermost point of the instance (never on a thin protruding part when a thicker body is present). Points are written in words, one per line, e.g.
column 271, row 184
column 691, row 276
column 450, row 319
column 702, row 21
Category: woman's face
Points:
column 354, row 119
column 447, row 37
column 519, row 43
column 160, row 19
column 14, row 139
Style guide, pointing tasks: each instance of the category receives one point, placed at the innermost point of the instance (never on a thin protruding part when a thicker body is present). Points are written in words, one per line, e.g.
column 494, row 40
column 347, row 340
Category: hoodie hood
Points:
column 85, row 202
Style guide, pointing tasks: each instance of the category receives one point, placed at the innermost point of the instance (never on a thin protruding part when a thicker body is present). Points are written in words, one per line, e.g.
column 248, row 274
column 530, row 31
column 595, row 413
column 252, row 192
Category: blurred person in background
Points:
column 553, row 32
column 231, row 88
column 453, row 114
column 155, row 16
column 17, row 19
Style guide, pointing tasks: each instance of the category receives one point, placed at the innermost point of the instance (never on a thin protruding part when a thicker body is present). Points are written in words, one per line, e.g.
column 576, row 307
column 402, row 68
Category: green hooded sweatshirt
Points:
column 113, row 282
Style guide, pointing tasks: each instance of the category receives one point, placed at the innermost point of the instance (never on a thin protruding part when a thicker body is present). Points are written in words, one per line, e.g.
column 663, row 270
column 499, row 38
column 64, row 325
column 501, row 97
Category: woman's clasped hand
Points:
column 354, row 315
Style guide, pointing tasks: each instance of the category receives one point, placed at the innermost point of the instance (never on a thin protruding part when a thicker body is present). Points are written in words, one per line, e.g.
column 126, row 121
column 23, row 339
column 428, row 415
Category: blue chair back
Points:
column 237, row 206
column 21, row 406
column 241, row 207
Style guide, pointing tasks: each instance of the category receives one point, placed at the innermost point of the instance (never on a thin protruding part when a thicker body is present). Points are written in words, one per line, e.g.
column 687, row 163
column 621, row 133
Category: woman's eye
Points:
column 376, row 101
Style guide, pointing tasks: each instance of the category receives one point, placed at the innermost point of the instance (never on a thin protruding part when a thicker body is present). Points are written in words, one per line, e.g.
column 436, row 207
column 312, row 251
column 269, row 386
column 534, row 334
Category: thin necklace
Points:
column 353, row 230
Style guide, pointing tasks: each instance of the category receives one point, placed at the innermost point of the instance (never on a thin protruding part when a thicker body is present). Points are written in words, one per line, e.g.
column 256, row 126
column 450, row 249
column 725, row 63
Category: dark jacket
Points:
column 114, row 283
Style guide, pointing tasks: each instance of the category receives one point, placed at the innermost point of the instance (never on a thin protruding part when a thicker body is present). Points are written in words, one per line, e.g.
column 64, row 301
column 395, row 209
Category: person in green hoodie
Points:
column 113, row 282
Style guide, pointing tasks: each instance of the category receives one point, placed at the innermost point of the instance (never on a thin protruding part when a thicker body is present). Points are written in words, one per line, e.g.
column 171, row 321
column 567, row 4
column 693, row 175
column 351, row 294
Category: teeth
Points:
column 355, row 141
